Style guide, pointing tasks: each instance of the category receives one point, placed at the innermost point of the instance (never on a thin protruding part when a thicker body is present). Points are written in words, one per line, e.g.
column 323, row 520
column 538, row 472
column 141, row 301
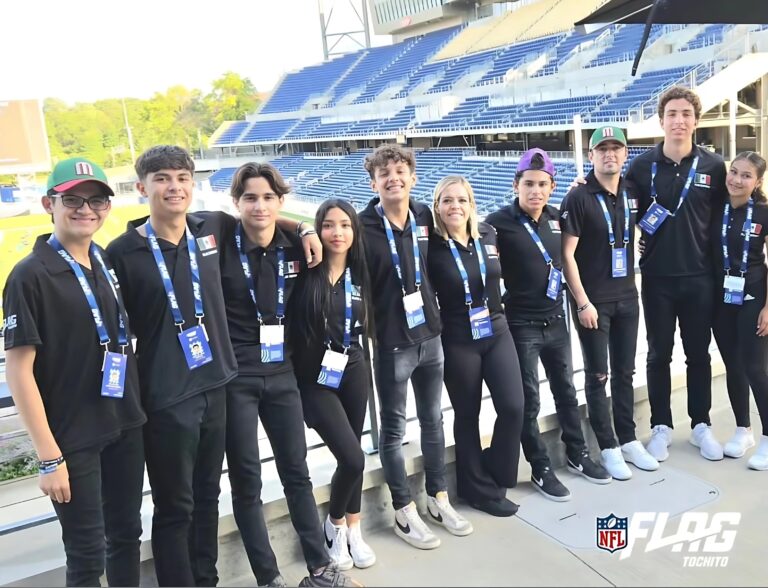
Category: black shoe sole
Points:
column 496, row 510
column 565, row 498
column 578, row 472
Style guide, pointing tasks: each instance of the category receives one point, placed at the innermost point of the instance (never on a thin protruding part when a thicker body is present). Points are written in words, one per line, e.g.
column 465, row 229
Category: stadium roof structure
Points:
column 651, row 12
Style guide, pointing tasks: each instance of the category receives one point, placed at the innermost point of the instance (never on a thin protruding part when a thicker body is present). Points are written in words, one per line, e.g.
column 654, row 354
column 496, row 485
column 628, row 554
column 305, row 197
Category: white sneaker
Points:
column 362, row 554
column 441, row 511
column 411, row 529
column 759, row 459
column 614, row 463
column 636, row 454
column 336, row 544
column 661, row 438
column 702, row 437
column 737, row 445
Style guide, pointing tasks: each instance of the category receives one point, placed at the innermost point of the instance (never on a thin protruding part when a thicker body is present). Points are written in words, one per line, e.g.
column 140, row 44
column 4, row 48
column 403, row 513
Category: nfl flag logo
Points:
column 611, row 533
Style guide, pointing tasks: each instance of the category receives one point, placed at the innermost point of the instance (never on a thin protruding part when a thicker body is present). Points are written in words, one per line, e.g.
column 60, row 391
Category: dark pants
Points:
column 746, row 358
column 275, row 399
column 688, row 300
column 104, row 514
column 338, row 417
column 616, row 335
column 185, row 449
column 549, row 341
column 485, row 475
column 423, row 365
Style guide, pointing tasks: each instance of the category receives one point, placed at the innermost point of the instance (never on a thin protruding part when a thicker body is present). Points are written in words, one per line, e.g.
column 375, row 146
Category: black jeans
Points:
column 423, row 365
column 688, row 300
column 745, row 356
column 275, row 399
column 485, row 475
column 615, row 336
column 549, row 341
column 185, row 450
column 104, row 514
column 338, row 417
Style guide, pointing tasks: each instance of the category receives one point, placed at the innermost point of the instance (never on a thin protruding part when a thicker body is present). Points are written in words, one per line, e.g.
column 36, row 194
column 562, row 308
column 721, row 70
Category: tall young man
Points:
column 529, row 243
column 407, row 323
column 260, row 266
column 72, row 373
column 168, row 265
column 679, row 184
column 598, row 223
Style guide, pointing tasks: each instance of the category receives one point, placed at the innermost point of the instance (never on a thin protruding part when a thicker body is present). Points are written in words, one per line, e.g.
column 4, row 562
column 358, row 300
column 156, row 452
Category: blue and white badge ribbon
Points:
column 686, row 187
column 745, row 234
column 536, row 239
column 463, row 270
column 347, row 313
column 101, row 329
column 393, row 248
column 627, row 214
column 194, row 269
column 240, row 243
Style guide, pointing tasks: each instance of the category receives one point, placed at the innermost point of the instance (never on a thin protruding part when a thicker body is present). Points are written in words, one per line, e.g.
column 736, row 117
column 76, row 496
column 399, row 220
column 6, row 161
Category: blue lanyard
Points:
column 537, row 240
column 347, row 312
column 239, row 242
column 393, row 248
column 686, row 188
column 611, row 236
column 463, row 270
column 178, row 319
column 724, row 237
column 122, row 334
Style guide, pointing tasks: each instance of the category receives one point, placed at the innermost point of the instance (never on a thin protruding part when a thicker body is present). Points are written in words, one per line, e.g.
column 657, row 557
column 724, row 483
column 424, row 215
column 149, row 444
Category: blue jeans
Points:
column 423, row 365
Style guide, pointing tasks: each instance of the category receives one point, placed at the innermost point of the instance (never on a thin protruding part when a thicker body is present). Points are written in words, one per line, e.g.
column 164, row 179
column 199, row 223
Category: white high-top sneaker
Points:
column 442, row 512
column 336, row 544
column 413, row 530
column 362, row 554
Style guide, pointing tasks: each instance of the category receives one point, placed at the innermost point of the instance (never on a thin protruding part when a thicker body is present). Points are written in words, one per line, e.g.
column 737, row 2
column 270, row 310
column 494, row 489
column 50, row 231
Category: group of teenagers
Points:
column 166, row 349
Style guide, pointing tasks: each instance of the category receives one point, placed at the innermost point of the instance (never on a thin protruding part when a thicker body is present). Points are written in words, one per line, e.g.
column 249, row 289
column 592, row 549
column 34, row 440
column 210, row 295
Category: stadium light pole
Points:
column 130, row 134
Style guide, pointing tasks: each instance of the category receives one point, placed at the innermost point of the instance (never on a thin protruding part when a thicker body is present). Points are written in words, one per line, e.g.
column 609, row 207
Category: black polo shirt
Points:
column 389, row 314
column 757, row 272
column 164, row 375
column 44, row 306
column 525, row 273
column 311, row 352
column 241, row 312
column 450, row 287
column 680, row 247
column 582, row 216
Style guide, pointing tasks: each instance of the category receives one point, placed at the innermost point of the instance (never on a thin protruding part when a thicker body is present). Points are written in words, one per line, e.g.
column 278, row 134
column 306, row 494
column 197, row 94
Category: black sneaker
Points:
column 547, row 483
column 497, row 507
column 278, row 582
column 584, row 466
column 328, row 577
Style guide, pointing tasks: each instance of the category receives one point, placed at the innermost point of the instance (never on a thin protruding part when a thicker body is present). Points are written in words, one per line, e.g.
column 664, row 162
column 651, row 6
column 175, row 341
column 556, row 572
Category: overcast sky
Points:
column 83, row 50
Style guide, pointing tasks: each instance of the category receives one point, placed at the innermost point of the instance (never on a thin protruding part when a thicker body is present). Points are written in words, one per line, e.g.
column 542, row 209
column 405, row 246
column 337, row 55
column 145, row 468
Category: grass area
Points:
column 19, row 467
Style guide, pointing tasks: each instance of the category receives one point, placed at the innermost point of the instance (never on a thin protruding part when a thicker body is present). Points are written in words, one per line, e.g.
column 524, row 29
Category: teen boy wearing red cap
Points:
column 73, row 377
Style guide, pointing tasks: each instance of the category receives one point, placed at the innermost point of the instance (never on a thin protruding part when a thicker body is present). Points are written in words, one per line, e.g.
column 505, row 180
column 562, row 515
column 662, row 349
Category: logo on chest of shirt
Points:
column 703, row 180
column 422, row 232
column 356, row 292
column 292, row 268
column 491, row 250
column 207, row 245
column 632, row 204
column 554, row 226
column 755, row 229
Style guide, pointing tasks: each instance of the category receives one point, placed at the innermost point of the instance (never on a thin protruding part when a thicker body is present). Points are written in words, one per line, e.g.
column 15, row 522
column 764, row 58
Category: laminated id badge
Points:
column 654, row 218
column 332, row 368
column 480, row 322
column 194, row 342
column 733, row 287
column 414, row 309
column 619, row 262
column 554, row 282
column 272, row 339
column 113, row 378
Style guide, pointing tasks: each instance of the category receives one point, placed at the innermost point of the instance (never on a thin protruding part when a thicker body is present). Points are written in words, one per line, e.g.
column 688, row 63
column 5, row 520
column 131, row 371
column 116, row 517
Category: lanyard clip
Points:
column 180, row 325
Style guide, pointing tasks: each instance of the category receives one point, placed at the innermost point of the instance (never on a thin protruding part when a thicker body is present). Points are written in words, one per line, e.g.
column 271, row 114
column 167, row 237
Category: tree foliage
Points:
column 178, row 116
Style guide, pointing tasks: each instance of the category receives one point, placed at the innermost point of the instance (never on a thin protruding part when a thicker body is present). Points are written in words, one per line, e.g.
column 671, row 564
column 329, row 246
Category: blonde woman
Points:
column 465, row 270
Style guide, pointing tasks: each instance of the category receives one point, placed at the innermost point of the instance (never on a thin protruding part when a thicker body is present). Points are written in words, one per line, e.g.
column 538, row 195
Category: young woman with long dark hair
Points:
column 330, row 315
column 741, row 311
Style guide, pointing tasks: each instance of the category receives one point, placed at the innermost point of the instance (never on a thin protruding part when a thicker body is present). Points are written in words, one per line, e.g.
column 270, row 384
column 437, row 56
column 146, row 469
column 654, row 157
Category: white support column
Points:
column 734, row 105
column 578, row 146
